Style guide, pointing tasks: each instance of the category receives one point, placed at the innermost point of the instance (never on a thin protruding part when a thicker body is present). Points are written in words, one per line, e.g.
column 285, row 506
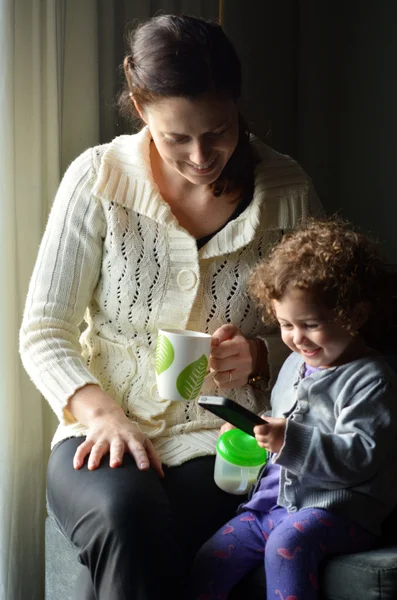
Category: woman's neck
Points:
column 171, row 183
column 194, row 206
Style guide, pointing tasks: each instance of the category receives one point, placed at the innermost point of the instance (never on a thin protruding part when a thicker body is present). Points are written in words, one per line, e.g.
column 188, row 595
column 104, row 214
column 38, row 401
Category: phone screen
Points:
column 233, row 413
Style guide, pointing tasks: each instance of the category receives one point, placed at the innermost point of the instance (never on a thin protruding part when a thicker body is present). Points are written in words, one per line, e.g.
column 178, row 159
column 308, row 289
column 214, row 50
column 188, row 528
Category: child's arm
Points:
column 364, row 432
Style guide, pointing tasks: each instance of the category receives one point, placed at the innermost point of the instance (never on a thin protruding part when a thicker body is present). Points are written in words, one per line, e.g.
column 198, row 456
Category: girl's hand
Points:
column 271, row 435
column 232, row 356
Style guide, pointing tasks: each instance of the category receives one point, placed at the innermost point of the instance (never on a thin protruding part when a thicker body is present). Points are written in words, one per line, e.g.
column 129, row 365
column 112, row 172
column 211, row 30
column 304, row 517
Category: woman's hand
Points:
column 271, row 434
column 226, row 427
column 114, row 433
column 232, row 356
column 109, row 430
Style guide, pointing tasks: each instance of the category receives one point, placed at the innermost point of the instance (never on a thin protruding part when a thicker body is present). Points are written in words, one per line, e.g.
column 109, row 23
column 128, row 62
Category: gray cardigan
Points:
column 340, row 449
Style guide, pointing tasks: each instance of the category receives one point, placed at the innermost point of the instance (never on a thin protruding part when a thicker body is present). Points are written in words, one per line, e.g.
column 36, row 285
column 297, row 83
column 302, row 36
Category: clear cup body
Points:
column 234, row 479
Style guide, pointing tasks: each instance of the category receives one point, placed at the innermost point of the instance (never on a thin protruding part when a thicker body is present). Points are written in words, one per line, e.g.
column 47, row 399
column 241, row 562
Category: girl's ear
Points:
column 360, row 315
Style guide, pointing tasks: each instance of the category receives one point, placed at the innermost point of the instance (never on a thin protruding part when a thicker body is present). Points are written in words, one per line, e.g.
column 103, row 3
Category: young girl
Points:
column 332, row 477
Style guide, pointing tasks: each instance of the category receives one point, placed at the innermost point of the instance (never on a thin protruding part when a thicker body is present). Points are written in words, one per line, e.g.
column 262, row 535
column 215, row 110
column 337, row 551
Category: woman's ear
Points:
column 138, row 108
column 360, row 315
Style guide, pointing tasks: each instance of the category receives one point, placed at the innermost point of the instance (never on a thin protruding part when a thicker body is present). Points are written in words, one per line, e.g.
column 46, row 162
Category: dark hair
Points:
column 341, row 267
column 187, row 56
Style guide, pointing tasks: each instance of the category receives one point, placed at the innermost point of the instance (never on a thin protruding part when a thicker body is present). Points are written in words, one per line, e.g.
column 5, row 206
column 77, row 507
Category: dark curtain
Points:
column 319, row 84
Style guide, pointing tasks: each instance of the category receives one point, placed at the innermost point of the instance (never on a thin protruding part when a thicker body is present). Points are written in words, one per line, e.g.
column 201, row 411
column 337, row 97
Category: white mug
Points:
column 181, row 363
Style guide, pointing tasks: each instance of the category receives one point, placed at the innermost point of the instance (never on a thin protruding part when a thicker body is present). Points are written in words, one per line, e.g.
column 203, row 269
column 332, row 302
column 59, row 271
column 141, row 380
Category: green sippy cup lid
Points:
column 239, row 448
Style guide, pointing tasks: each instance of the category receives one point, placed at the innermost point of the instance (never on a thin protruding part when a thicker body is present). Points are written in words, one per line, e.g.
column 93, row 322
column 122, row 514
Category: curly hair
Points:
column 339, row 266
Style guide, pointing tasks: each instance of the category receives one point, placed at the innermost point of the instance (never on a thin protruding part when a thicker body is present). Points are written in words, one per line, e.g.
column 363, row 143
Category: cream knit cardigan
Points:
column 114, row 255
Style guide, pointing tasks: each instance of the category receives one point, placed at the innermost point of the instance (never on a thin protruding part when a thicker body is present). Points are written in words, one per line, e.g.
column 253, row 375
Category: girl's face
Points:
column 194, row 138
column 311, row 330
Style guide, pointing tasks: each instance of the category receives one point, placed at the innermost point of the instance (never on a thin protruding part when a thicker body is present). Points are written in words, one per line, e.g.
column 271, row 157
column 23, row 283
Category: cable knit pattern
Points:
column 114, row 255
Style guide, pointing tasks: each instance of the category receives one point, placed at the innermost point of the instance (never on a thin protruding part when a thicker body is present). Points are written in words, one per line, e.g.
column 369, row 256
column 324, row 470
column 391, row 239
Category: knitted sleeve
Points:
column 64, row 277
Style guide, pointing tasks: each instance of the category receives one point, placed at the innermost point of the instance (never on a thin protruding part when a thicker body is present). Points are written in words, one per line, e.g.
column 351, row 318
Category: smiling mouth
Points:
column 310, row 353
column 204, row 167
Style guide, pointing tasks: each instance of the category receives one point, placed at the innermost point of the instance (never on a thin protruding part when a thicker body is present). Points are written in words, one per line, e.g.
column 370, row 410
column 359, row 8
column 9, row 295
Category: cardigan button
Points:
column 154, row 392
column 186, row 279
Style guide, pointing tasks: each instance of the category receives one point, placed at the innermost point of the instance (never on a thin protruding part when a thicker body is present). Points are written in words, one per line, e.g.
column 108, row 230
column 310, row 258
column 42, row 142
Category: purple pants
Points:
column 290, row 546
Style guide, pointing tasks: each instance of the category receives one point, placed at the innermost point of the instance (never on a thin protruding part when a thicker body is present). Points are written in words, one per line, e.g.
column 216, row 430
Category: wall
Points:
column 321, row 78
column 347, row 105
column 266, row 39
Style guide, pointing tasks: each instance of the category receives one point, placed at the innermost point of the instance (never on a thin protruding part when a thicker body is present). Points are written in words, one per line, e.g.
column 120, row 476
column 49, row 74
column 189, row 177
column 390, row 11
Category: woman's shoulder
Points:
column 128, row 152
column 277, row 166
column 282, row 187
column 86, row 163
column 122, row 151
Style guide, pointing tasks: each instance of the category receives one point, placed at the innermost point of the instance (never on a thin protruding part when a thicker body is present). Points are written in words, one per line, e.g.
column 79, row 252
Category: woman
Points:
column 157, row 229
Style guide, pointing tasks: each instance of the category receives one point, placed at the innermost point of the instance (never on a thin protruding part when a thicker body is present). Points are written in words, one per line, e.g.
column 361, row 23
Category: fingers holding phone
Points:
column 271, row 434
column 231, row 412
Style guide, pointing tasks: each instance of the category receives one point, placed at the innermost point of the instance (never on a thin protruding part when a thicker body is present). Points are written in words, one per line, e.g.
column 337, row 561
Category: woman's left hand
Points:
column 225, row 427
column 232, row 356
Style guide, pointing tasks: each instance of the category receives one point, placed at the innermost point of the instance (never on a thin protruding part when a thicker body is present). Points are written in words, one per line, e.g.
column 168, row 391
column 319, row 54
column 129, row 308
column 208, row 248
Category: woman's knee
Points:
column 103, row 500
column 126, row 520
column 129, row 507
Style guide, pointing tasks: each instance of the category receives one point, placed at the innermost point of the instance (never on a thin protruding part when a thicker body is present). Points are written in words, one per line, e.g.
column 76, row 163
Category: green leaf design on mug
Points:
column 191, row 379
column 164, row 354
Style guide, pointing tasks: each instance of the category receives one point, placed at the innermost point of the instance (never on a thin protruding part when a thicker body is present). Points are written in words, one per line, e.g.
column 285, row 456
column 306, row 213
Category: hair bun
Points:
column 129, row 62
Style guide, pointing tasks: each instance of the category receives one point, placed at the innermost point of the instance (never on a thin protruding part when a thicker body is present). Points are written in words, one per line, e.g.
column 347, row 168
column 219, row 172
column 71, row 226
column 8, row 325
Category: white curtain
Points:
column 48, row 85
column 49, row 112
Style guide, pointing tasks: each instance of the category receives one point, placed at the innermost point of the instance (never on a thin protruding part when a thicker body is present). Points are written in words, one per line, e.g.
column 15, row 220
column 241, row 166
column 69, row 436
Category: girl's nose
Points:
column 298, row 336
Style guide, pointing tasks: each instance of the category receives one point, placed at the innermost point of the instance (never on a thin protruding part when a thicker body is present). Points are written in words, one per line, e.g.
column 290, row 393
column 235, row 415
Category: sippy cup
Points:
column 238, row 461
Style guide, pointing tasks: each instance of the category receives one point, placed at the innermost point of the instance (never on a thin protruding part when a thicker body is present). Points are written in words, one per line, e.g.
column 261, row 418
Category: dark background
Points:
column 320, row 84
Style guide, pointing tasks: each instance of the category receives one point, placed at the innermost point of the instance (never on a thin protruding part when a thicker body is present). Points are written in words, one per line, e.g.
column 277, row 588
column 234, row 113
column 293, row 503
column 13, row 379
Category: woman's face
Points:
column 194, row 137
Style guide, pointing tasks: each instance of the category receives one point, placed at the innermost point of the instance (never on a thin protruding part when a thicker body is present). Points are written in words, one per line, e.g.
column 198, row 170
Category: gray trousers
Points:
column 136, row 534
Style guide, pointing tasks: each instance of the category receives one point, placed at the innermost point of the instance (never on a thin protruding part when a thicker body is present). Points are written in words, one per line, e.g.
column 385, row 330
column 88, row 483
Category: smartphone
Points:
column 233, row 413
